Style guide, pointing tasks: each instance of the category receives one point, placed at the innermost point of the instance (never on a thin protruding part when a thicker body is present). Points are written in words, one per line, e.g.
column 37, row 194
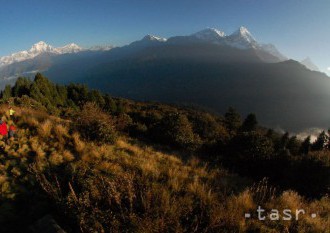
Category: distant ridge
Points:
column 37, row 49
column 309, row 64
column 41, row 48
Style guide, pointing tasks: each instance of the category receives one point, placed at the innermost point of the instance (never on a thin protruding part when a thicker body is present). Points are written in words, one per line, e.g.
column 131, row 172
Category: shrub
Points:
column 95, row 125
column 176, row 130
column 253, row 145
column 45, row 128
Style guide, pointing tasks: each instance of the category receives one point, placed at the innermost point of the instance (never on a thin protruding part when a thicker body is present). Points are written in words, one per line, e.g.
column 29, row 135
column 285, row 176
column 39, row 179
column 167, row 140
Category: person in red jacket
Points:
column 3, row 128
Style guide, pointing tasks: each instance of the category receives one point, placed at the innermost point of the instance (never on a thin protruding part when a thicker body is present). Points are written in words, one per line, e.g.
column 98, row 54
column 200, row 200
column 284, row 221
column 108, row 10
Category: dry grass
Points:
column 45, row 128
column 131, row 187
column 78, row 144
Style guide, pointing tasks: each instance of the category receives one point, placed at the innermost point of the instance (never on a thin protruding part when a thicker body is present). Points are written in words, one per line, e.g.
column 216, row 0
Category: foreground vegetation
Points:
column 101, row 164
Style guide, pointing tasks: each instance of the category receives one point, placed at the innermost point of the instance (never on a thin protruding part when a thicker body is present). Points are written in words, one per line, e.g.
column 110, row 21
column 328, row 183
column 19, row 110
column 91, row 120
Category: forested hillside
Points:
column 209, row 76
column 101, row 164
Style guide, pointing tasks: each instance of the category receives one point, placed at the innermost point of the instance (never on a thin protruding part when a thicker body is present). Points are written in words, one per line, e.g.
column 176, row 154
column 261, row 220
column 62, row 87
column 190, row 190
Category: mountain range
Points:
column 37, row 49
column 207, row 69
column 39, row 58
column 241, row 39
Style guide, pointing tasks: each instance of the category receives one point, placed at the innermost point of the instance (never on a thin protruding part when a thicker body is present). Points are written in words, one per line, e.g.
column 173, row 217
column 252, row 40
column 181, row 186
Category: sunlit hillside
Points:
column 98, row 171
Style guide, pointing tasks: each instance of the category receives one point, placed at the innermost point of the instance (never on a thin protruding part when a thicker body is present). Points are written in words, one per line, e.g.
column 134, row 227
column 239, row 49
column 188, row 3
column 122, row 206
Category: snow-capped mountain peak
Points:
column 37, row 49
column 154, row 38
column 243, row 33
column 242, row 39
column 40, row 47
column 70, row 48
column 209, row 34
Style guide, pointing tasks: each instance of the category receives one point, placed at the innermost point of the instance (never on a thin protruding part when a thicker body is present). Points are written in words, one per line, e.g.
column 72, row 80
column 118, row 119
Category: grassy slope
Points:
column 128, row 186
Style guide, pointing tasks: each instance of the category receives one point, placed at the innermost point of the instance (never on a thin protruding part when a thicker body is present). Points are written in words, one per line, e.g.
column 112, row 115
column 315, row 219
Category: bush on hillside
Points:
column 253, row 145
column 95, row 125
column 176, row 130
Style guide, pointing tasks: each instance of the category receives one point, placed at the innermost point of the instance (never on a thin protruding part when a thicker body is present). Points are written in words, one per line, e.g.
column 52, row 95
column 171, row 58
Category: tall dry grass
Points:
column 132, row 187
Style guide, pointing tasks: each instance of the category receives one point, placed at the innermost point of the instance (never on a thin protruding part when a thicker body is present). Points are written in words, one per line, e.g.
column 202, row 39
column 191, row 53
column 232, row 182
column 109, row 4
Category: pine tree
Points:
column 250, row 123
column 78, row 93
column 284, row 141
column 96, row 96
column 6, row 94
column 110, row 105
column 232, row 121
column 321, row 141
column 22, row 87
column 293, row 145
column 305, row 146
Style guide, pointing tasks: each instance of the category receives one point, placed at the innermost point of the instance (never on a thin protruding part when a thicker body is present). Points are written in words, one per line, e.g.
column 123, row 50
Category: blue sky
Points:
column 299, row 28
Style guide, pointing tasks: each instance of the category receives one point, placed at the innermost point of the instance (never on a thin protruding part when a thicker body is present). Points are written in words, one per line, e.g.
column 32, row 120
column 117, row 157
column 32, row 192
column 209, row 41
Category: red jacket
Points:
column 3, row 129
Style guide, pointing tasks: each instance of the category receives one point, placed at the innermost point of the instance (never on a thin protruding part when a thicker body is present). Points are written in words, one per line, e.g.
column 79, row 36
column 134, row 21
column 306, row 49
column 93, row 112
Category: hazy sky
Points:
column 298, row 28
